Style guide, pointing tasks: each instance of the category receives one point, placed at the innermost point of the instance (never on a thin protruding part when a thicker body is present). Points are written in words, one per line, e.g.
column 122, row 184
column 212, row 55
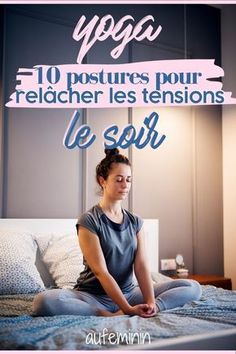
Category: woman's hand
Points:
column 143, row 276
column 143, row 310
column 152, row 309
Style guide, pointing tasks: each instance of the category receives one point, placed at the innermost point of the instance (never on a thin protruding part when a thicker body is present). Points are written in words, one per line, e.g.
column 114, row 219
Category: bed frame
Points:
column 218, row 340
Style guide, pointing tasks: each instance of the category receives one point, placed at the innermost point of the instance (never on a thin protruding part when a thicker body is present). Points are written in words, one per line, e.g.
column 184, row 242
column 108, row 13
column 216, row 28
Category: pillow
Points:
column 63, row 258
column 18, row 273
column 156, row 278
column 160, row 278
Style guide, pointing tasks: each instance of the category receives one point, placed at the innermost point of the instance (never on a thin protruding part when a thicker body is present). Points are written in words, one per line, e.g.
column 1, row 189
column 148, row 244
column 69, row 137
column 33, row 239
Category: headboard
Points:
column 60, row 226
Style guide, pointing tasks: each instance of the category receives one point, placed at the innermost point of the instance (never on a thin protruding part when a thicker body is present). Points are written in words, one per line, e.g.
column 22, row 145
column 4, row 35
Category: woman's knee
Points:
column 39, row 304
column 193, row 288
column 196, row 289
column 45, row 302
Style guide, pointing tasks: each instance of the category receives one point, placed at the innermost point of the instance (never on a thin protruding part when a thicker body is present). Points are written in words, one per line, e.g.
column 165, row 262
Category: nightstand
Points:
column 218, row 281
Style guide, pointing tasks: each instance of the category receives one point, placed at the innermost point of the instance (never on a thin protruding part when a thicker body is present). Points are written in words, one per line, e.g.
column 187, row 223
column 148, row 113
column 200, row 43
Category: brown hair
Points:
column 104, row 167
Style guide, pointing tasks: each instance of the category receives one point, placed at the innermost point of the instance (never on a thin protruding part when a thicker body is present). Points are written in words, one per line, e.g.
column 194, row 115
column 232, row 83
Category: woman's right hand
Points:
column 141, row 310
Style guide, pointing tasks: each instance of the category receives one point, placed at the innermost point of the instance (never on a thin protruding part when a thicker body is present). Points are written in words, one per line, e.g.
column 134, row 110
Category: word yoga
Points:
column 82, row 137
column 123, row 31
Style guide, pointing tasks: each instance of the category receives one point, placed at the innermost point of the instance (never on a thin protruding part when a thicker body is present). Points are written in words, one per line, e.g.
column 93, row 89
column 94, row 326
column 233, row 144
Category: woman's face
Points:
column 118, row 183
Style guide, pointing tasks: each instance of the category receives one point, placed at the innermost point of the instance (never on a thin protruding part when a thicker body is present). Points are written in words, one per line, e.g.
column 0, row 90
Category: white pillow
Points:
column 63, row 258
column 18, row 273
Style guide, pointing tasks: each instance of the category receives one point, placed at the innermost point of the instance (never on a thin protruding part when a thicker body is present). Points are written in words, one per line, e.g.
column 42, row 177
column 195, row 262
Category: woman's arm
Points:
column 91, row 249
column 142, row 273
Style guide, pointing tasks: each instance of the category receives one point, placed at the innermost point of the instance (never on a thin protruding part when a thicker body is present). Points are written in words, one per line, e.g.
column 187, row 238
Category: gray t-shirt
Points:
column 118, row 243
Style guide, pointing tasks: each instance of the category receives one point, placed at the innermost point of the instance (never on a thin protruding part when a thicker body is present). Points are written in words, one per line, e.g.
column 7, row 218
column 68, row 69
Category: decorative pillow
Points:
column 18, row 273
column 63, row 258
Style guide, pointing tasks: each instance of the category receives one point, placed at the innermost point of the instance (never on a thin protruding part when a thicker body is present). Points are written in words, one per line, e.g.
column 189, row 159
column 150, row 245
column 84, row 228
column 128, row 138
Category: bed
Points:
column 44, row 253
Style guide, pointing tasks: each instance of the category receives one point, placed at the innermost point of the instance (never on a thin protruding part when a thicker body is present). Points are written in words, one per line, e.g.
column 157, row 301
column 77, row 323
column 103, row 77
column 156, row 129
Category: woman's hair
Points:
column 104, row 167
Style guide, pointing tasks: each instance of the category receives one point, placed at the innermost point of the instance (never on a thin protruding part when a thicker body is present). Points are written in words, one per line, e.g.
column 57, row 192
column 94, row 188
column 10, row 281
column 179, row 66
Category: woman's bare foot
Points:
column 106, row 313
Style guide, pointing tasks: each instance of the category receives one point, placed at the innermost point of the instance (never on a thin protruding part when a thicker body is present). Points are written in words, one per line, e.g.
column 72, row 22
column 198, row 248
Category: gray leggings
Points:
column 168, row 295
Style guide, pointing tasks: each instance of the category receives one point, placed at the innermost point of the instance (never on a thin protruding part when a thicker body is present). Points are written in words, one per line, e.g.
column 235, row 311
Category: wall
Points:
column 229, row 141
column 43, row 179
column 208, row 198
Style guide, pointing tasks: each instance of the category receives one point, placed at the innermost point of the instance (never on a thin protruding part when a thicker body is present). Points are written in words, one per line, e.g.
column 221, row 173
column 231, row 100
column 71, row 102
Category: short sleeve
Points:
column 139, row 223
column 88, row 221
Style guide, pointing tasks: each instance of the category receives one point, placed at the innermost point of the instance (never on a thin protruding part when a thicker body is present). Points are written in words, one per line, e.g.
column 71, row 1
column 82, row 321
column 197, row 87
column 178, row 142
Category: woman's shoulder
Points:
column 136, row 220
column 90, row 219
column 92, row 212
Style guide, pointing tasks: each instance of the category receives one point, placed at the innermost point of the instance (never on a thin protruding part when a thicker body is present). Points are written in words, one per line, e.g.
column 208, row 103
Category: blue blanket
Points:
column 19, row 330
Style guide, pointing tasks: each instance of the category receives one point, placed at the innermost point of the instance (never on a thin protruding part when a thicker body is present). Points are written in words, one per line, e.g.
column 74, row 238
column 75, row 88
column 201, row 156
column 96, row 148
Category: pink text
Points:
column 124, row 31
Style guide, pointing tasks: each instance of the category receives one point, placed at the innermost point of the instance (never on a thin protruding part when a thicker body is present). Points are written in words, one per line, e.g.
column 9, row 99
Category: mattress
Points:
column 215, row 311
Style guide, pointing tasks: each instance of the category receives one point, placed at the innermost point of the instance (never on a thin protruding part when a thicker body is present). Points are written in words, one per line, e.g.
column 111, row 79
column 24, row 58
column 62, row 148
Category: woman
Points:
column 111, row 240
